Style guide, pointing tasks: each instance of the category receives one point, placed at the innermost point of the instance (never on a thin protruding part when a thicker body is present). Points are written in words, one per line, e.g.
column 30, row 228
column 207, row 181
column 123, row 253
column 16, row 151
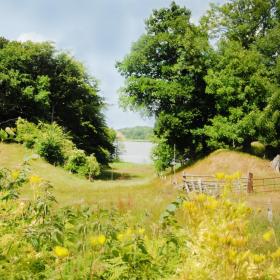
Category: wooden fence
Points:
column 211, row 185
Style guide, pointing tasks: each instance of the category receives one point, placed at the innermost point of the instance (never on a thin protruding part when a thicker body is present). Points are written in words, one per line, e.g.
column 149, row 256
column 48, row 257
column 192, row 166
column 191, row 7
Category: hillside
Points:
column 229, row 162
column 125, row 186
column 137, row 133
column 134, row 185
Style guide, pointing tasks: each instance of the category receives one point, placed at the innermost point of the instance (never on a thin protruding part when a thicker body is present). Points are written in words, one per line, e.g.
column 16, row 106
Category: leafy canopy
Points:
column 39, row 83
column 211, row 85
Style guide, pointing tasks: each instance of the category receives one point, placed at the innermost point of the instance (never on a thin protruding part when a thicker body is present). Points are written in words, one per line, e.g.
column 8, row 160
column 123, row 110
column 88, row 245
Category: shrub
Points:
column 50, row 143
column 7, row 135
column 27, row 132
column 75, row 161
column 50, row 149
column 3, row 135
column 257, row 148
column 78, row 162
column 162, row 156
column 91, row 168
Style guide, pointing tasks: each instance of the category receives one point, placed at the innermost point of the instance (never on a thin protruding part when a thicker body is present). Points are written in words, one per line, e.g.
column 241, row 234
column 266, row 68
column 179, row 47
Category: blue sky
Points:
column 96, row 32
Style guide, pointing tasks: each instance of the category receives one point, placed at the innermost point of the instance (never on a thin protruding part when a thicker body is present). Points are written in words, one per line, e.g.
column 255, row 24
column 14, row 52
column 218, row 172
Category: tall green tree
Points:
column 37, row 82
column 164, row 75
column 243, row 21
column 243, row 79
column 204, row 97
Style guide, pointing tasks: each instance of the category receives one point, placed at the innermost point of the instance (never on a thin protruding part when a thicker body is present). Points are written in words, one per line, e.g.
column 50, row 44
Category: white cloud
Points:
column 32, row 36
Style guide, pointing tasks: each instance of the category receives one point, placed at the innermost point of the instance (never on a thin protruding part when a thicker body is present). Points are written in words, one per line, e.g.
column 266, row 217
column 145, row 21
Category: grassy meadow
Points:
column 130, row 224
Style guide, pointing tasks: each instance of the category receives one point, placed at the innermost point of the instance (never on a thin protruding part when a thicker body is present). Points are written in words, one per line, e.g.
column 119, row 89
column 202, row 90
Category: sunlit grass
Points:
column 126, row 186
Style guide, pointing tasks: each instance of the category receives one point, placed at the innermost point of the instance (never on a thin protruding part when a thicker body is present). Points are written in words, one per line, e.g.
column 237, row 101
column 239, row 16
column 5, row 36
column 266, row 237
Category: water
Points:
column 136, row 152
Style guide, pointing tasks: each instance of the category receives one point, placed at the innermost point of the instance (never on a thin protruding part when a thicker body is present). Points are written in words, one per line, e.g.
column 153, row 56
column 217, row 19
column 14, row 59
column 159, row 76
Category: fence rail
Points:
column 211, row 185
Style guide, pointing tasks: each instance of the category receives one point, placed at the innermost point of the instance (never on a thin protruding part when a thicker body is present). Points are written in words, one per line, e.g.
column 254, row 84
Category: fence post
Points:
column 250, row 186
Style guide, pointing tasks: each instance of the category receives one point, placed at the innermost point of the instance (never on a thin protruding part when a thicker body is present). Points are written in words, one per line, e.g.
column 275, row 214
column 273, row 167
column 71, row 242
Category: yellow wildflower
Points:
column 212, row 203
column 227, row 240
column 220, row 175
column 15, row 174
column 240, row 242
column 229, row 177
column 258, row 258
column 268, row 235
column 101, row 239
column 128, row 232
column 276, row 254
column 97, row 240
column 34, row 179
column 190, row 206
column 61, row 252
column 201, row 197
column 232, row 254
column 237, row 175
column 141, row 231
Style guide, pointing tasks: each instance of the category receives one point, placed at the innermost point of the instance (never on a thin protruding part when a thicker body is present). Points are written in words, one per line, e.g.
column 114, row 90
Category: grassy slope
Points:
column 229, row 162
column 134, row 186
column 138, row 192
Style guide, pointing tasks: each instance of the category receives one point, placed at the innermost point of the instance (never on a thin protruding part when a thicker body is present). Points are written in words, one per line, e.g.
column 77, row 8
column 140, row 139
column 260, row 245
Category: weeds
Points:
column 198, row 237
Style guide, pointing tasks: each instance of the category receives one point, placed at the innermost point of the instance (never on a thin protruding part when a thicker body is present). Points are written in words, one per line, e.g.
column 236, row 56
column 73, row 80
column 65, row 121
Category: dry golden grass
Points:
column 229, row 162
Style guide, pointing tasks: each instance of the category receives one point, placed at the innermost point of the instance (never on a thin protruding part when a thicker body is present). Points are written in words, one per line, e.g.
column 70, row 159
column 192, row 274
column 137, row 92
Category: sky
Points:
column 96, row 32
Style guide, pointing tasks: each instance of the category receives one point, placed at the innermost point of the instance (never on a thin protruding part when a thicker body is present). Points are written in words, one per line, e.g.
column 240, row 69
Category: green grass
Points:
column 134, row 188
column 126, row 186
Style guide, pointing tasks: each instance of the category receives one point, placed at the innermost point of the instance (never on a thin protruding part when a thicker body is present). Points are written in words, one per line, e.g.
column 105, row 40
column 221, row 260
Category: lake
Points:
column 136, row 152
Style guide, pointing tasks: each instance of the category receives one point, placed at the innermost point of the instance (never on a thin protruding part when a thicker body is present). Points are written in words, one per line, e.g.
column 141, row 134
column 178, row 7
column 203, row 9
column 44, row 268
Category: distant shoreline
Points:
column 135, row 140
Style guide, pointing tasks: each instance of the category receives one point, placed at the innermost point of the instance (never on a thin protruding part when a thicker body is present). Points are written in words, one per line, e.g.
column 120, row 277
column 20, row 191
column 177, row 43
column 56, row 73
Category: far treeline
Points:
column 137, row 133
column 215, row 84
column 42, row 85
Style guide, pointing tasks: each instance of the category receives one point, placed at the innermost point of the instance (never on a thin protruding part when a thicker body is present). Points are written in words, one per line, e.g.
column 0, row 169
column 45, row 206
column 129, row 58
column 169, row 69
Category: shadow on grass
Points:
column 110, row 174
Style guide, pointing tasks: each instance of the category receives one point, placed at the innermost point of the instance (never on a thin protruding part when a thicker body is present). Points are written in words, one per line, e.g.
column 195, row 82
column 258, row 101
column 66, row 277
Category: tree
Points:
column 243, row 79
column 164, row 77
column 204, row 97
column 243, row 21
column 37, row 82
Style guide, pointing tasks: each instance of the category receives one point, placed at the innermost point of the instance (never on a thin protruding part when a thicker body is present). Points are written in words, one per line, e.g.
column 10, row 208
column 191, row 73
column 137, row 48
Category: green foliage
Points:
column 162, row 156
column 137, row 133
column 91, row 168
column 206, row 97
column 78, row 162
column 165, row 77
column 50, row 146
column 257, row 148
column 27, row 133
column 54, row 145
column 7, row 135
column 42, row 241
column 39, row 83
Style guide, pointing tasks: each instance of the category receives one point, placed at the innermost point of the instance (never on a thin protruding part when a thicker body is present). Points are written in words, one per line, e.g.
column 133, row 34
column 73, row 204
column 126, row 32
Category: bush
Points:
column 27, row 132
column 162, row 156
column 76, row 159
column 50, row 149
column 91, row 168
column 54, row 145
column 257, row 148
column 81, row 164
column 50, row 143
column 7, row 135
